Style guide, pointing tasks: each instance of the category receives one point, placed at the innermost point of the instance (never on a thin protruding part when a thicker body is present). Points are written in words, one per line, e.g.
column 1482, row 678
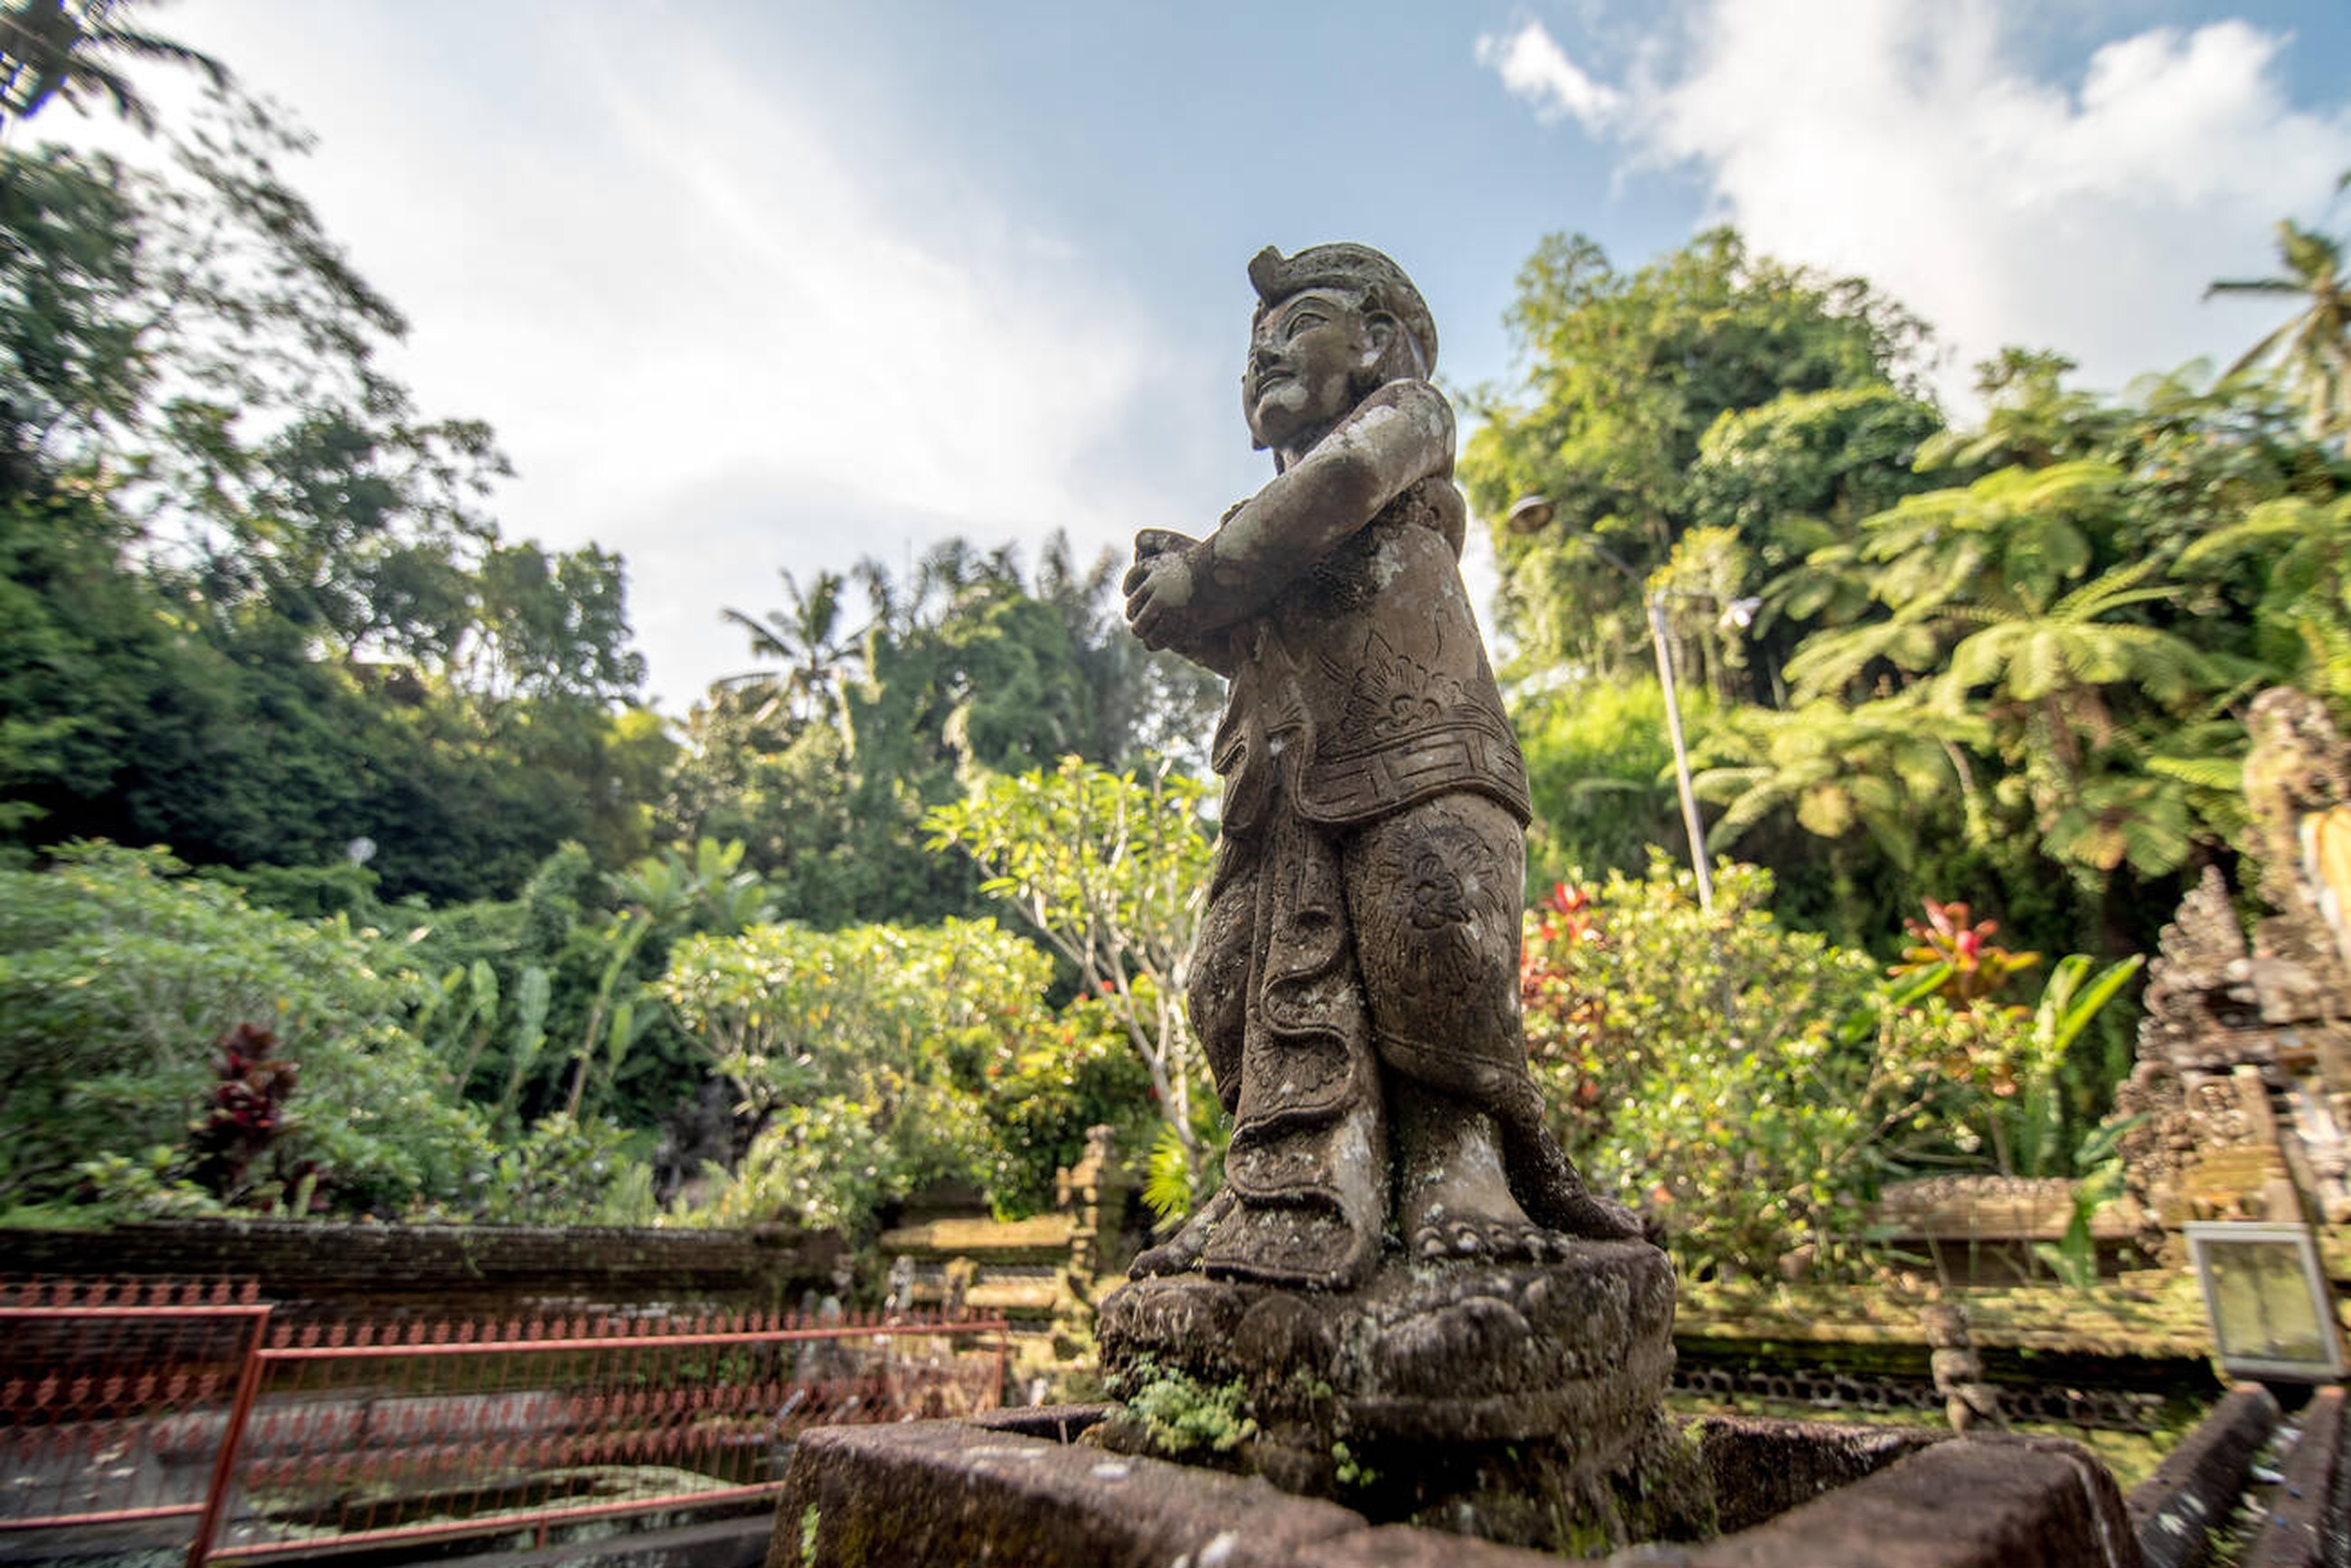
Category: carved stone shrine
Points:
column 2244, row 1054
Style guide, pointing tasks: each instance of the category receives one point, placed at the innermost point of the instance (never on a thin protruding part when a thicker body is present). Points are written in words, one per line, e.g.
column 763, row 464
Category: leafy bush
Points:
column 118, row 974
column 1750, row 1084
column 570, row 1171
column 1601, row 773
column 880, row 1058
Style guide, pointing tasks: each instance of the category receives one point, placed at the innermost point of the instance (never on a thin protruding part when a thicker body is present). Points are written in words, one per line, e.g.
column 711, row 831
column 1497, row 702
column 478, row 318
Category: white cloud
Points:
column 1903, row 144
column 1534, row 67
column 703, row 333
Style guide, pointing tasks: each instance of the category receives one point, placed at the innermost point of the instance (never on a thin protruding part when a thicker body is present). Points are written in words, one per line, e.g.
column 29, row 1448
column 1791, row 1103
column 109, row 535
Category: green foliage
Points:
column 55, row 50
column 1074, row 1072
column 590, row 1172
column 2313, row 348
column 118, row 973
column 1184, row 1415
column 2072, row 626
column 149, row 1185
column 1752, row 1084
column 826, row 766
column 2098, row 1181
column 2010, row 659
column 255, row 609
column 2295, row 551
column 1601, row 773
column 868, row 1055
column 1628, row 376
column 1109, row 869
column 1180, row 1175
column 2027, row 1115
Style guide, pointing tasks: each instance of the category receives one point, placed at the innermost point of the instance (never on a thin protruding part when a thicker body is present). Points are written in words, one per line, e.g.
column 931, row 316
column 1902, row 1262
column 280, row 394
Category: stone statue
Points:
column 1403, row 1282
column 1356, row 983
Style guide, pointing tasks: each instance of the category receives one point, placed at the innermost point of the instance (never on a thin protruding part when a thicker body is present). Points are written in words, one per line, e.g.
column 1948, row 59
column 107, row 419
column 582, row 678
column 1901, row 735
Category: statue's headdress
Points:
column 1359, row 267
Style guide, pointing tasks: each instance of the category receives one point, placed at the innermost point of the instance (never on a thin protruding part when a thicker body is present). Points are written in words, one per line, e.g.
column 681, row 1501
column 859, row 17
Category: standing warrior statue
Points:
column 1356, row 984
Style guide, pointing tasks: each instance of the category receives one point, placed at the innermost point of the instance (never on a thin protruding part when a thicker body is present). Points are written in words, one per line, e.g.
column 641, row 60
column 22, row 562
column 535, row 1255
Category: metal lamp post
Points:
column 1532, row 514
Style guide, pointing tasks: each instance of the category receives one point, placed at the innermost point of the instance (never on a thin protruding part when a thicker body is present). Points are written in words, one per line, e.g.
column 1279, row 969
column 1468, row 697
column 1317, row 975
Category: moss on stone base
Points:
column 1535, row 1494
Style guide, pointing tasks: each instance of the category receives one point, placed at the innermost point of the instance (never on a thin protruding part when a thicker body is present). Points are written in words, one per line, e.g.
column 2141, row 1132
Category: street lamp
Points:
column 1532, row 514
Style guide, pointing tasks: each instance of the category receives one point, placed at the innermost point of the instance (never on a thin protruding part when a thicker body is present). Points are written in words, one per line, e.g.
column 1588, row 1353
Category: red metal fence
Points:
column 149, row 1409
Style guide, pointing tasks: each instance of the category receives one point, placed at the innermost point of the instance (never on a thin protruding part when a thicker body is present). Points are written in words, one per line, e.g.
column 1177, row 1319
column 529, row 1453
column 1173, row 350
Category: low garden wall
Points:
column 447, row 1269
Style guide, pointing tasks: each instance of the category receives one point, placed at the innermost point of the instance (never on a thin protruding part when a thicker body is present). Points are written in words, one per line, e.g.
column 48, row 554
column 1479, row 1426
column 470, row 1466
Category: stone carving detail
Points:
column 1401, row 1250
column 1358, row 991
column 2238, row 1031
column 1968, row 1401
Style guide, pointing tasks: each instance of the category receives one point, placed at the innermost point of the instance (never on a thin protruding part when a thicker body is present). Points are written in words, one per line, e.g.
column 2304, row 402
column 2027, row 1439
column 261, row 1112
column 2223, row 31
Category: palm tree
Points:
column 2313, row 346
column 68, row 49
column 806, row 635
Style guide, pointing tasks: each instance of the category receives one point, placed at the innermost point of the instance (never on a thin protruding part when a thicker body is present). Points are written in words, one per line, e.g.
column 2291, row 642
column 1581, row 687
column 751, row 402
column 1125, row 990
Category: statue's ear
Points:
column 1379, row 330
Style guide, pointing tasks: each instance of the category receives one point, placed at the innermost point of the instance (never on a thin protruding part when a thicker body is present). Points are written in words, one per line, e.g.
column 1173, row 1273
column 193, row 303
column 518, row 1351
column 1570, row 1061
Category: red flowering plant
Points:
column 1565, row 1018
column 2012, row 1055
column 248, row 1112
column 1957, row 959
column 1953, row 969
column 1738, row 1081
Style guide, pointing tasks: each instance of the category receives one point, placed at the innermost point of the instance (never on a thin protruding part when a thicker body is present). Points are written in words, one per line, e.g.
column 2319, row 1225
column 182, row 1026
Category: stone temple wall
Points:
column 443, row 1270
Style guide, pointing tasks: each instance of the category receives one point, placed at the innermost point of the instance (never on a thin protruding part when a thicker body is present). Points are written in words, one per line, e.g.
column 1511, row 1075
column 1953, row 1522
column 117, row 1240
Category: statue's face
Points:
column 1306, row 356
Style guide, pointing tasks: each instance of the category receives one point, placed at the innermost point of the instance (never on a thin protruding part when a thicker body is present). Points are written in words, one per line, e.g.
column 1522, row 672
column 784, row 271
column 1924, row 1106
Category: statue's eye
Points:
column 1302, row 323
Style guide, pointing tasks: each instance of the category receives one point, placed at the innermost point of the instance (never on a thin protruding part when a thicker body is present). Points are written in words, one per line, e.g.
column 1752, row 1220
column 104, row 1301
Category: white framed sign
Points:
column 2267, row 1298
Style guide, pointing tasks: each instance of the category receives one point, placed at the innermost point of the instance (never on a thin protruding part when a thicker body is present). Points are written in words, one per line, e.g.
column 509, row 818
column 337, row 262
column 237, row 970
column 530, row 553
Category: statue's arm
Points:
column 1400, row 434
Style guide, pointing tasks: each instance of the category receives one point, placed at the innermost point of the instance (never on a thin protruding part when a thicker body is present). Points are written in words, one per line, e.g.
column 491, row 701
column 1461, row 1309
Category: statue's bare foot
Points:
column 1454, row 1199
column 1180, row 1253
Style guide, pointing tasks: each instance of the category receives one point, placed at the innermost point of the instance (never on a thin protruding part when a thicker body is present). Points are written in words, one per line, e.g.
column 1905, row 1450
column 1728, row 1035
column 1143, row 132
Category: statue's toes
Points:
column 1502, row 1241
column 1520, row 1241
column 1169, row 1258
column 1435, row 1242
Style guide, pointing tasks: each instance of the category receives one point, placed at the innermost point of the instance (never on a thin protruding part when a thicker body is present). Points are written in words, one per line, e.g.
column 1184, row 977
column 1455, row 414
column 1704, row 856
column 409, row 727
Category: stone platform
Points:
column 1516, row 1401
column 950, row 1493
column 1480, row 1352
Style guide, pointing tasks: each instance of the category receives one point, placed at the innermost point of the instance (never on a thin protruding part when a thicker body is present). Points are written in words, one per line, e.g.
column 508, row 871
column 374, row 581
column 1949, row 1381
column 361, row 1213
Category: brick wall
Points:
column 445, row 1268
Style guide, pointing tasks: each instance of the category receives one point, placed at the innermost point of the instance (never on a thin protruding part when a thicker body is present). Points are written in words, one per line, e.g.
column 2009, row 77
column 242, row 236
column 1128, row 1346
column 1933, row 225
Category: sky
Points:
column 757, row 286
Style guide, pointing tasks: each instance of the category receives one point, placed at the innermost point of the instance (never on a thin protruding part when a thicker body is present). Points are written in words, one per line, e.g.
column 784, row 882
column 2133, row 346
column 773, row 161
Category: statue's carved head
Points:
column 1333, row 323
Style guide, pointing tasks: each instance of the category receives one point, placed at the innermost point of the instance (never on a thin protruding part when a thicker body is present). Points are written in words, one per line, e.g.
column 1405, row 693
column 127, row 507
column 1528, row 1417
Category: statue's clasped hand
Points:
column 1159, row 588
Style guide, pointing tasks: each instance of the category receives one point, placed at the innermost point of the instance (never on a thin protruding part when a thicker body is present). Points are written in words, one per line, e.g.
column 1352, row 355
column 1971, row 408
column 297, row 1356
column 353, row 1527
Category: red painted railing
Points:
column 131, row 1407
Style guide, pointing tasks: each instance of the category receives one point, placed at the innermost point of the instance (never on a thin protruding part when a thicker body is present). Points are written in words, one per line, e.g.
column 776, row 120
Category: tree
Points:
column 2073, row 616
column 1111, row 869
column 1787, row 479
column 806, row 635
column 963, row 669
column 1628, row 376
column 260, row 611
column 68, row 49
column 2312, row 347
column 117, row 974
column 858, row 1053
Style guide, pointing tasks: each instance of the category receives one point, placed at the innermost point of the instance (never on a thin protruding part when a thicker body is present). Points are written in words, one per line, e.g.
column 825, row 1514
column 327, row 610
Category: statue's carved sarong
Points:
column 1373, row 805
